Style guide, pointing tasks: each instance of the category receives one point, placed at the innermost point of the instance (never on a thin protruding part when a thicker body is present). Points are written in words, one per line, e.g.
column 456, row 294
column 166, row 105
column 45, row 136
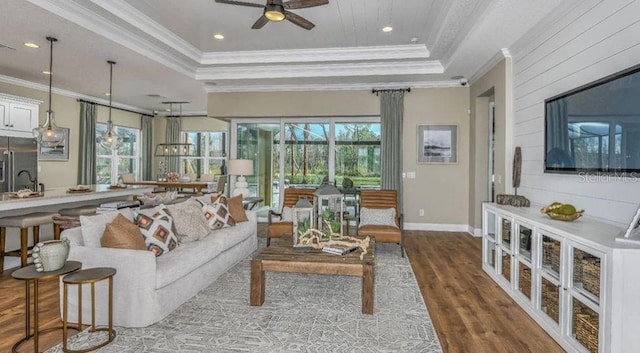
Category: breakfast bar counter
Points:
column 63, row 196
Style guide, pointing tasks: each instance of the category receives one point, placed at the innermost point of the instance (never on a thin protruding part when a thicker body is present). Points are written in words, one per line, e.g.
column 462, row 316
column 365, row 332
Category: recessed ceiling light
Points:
column 218, row 36
column 387, row 29
column 31, row 45
column 46, row 72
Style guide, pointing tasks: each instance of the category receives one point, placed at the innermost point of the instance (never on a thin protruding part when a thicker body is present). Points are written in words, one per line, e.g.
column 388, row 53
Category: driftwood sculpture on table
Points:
column 313, row 237
column 515, row 200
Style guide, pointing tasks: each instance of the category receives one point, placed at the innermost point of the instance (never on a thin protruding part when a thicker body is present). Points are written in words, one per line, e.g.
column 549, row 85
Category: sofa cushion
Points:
column 190, row 223
column 93, row 226
column 183, row 260
column 237, row 209
column 378, row 216
column 383, row 234
column 122, row 234
column 158, row 231
column 218, row 215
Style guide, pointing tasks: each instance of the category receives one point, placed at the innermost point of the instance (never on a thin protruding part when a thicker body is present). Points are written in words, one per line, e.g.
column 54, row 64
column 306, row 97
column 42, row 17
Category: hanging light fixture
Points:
column 110, row 140
column 49, row 134
column 179, row 149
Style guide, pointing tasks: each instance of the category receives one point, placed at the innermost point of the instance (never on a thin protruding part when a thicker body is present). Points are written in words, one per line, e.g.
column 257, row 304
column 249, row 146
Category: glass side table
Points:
column 29, row 274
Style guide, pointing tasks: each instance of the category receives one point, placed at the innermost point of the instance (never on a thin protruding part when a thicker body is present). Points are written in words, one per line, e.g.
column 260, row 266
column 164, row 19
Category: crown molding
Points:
column 486, row 67
column 26, row 100
column 387, row 52
column 140, row 20
column 72, row 11
column 331, row 87
column 320, row 70
column 44, row 88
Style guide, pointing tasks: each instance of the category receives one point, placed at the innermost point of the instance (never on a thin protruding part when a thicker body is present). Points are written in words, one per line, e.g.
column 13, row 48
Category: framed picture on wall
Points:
column 58, row 153
column 438, row 144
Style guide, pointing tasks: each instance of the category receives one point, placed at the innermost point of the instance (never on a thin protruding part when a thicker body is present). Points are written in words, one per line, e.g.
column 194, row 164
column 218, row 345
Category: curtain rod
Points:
column 187, row 116
column 106, row 105
column 377, row 91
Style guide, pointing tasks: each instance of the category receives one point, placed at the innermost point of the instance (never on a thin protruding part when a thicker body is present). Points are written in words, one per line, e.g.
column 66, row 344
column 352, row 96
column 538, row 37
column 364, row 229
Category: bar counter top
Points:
column 61, row 196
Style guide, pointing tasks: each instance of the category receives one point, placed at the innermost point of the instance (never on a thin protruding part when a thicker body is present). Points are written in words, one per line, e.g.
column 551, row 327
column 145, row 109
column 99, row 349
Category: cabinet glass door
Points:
column 585, row 325
column 506, row 265
column 550, row 299
column 506, row 233
column 490, row 225
column 551, row 255
column 586, row 274
column 490, row 253
column 524, row 242
column 524, row 279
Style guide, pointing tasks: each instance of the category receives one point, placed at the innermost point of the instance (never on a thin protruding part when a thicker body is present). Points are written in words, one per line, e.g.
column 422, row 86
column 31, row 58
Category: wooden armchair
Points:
column 381, row 199
column 291, row 197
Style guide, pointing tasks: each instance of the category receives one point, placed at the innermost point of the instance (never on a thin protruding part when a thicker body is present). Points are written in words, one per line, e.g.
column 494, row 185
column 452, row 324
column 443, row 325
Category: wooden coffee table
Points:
column 281, row 257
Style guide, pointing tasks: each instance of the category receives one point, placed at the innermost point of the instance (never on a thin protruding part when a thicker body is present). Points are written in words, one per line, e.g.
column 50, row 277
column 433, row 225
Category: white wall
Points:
column 595, row 39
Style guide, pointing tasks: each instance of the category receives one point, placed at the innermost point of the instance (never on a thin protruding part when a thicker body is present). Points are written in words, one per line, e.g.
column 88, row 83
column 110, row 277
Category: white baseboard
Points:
column 477, row 232
column 437, row 227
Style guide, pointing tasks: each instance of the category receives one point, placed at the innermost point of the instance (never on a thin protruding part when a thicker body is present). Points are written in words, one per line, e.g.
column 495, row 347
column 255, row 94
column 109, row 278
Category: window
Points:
column 110, row 164
column 303, row 152
column 209, row 153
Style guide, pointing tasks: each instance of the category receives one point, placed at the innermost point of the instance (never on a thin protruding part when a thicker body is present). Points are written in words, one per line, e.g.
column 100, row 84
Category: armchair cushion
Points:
column 383, row 234
column 381, row 217
column 278, row 229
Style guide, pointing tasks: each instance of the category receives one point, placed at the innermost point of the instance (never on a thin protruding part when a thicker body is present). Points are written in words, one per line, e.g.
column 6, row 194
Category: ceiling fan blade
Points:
column 298, row 20
column 301, row 4
column 241, row 3
column 260, row 22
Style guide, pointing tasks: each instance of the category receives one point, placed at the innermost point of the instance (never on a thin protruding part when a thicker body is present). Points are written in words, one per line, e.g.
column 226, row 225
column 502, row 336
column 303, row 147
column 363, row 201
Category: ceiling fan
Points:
column 276, row 10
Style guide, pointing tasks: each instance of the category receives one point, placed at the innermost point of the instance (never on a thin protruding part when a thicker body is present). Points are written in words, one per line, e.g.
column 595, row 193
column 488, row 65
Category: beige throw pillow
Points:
column 378, row 217
column 190, row 223
column 122, row 234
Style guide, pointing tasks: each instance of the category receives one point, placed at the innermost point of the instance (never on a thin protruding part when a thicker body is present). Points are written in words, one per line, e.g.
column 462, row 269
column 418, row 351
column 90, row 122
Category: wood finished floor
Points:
column 469, row 311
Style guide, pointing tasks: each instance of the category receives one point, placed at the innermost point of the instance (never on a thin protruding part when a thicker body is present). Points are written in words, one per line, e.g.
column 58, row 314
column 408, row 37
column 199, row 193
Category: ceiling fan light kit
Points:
column 276, row 11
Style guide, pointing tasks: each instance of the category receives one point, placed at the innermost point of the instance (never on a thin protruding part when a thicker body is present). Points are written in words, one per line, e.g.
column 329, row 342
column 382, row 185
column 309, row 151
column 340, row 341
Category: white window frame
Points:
column 233, row 138
column 206, row 158
column 115, row 157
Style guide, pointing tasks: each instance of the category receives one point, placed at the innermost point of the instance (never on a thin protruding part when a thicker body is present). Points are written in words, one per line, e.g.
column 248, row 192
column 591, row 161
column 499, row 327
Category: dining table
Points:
column 196, row 185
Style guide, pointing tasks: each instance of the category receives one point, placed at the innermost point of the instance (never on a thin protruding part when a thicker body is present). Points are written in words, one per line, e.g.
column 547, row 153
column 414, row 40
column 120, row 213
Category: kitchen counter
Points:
column 60, row 197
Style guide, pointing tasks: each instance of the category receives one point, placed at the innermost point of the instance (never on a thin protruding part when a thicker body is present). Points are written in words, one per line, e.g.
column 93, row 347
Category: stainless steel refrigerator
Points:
column 19, row 163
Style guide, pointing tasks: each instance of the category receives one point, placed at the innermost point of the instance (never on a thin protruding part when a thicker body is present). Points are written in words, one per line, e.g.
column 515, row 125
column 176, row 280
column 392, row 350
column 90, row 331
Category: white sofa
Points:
column 145, row 288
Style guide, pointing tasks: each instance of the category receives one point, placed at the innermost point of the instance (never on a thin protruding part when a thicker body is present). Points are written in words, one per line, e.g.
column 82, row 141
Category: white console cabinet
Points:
column 572, row 278
column 18, row 115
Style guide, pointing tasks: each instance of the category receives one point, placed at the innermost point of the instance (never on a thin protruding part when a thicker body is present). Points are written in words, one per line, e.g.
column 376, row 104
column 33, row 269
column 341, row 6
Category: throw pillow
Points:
column 122, row 234
column 158, row 231
column 189, row 221
column 156, row 199
column 237, row 209
column 218, row 215
column 378, row 217
column 93, row 226
column 287, row 215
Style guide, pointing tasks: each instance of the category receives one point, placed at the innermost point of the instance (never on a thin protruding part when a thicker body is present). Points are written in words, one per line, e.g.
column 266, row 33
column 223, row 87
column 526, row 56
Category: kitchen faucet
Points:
column 32, row 180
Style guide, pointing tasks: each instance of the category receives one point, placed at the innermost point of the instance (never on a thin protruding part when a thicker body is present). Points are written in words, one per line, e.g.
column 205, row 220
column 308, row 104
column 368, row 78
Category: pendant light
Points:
column 110, row 140
column 49, row 134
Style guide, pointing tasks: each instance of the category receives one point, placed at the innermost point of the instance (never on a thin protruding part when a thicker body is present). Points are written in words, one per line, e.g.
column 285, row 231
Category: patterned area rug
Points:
column 301, row 313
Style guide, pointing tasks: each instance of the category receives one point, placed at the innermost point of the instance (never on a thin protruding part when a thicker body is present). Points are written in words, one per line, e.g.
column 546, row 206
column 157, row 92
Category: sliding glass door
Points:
column 304, row 152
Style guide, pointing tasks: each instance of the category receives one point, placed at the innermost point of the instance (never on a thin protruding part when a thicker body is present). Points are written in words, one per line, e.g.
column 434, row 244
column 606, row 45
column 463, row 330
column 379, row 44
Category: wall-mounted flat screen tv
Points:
column 595, row 128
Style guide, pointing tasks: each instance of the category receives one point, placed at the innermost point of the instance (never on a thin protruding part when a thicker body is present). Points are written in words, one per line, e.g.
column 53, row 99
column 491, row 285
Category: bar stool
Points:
column 23, row 222
column 70, row 218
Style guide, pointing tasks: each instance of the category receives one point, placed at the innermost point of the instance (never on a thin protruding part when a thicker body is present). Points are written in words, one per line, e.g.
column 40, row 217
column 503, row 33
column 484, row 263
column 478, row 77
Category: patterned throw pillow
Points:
column 218, row 215
column 157, row 230
column 378, row 217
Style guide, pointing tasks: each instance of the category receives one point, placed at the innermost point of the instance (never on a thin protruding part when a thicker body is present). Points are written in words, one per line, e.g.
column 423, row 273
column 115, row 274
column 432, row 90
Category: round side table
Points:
column 79, row 278
column 29, row 274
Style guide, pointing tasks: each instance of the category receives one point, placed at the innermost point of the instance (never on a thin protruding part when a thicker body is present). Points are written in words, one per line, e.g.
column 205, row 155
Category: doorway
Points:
column 492, row 151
